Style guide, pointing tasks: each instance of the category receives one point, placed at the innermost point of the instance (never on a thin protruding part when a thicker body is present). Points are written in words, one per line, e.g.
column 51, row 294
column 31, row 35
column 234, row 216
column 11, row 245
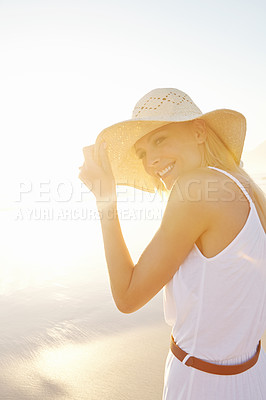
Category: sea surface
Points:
column 61, row 335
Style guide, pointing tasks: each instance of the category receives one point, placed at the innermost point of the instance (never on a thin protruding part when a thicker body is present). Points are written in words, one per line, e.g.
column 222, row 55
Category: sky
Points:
column 71, row 68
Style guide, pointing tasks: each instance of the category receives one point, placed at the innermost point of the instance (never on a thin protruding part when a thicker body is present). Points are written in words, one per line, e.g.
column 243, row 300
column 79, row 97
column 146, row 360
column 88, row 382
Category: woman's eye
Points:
column 141, row 155
column 158, row 140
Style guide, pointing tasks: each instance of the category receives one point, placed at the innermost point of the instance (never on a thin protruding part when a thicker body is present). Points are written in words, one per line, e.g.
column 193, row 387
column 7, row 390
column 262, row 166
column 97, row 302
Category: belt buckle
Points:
column 186, row 358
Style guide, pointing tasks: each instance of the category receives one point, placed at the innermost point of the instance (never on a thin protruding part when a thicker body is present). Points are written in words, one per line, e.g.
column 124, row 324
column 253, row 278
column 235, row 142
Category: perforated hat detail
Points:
column 171, row 105
column 154, row 110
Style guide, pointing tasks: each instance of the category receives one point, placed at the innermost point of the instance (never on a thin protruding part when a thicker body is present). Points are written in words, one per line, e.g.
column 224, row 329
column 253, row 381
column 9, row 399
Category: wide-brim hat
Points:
column 154, row 110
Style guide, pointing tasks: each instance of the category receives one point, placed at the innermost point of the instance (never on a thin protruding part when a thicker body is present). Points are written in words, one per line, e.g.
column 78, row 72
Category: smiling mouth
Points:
column 166, row 170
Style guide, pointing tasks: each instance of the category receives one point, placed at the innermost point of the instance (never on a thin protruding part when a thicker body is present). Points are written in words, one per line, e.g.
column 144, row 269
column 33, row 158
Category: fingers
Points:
column 105, row 159
column 90, row 170
column 91, row 155
column 88, row 151
column 96, row 154
column 88, row 154
column 85, row 181
column 97, row 175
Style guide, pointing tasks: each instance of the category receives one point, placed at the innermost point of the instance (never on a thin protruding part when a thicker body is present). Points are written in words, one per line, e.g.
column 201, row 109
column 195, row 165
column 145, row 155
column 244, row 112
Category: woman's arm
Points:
column 96, row 174
column 119, row 262
column 183, row 222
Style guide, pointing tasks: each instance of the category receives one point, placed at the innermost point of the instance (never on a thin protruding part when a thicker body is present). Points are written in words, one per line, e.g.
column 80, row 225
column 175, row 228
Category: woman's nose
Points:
column 152, row 160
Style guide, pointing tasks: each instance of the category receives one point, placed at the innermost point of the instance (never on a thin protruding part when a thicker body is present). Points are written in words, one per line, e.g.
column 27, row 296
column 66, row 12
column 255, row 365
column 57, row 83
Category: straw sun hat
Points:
column 154, row 110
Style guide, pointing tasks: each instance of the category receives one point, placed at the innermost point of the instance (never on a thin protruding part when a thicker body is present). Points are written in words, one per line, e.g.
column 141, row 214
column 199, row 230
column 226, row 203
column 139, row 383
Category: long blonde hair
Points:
column 216, row 154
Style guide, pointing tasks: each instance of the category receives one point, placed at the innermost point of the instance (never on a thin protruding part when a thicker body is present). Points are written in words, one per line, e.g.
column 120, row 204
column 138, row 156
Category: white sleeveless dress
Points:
column 217, row 310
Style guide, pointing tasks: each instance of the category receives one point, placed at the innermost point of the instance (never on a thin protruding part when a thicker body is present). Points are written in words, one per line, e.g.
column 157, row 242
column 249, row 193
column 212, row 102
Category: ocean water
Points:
column 54, row 282
column 56, row 303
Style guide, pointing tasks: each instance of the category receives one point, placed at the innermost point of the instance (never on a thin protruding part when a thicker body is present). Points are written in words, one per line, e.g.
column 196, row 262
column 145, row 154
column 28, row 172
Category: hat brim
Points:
column 128, row 169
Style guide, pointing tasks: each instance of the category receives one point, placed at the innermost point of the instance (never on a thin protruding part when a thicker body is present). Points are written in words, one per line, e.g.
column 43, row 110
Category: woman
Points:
column 209, row 253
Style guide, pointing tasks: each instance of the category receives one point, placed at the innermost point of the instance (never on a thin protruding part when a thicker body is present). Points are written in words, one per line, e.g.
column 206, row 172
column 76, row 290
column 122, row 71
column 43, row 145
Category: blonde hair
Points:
column 216, row 154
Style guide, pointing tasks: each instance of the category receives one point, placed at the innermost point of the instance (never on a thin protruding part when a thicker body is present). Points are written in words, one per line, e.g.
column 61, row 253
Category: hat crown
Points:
column 165, row 104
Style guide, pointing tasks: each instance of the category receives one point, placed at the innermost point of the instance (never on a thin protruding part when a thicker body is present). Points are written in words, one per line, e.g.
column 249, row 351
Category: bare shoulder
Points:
column 212, row 204
column 205, row 186
column 209, row 192
column 198, row 186
column 189, row 200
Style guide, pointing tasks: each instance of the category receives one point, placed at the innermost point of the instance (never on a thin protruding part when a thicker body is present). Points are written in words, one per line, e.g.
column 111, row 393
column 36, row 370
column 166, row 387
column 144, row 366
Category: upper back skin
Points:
column 227, row 206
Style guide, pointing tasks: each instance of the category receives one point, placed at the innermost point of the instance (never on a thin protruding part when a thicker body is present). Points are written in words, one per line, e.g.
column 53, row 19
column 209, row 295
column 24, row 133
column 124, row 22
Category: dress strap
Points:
column 236, row 181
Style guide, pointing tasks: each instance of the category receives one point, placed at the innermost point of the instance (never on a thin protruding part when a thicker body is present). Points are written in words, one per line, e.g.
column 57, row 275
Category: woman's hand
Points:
column 96, row 173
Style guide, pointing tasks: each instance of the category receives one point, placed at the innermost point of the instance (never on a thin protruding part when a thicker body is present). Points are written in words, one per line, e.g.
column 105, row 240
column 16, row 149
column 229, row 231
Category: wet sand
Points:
column 122, row 366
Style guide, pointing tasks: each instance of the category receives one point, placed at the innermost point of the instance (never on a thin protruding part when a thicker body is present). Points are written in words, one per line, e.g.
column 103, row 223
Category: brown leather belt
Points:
column 205, row 366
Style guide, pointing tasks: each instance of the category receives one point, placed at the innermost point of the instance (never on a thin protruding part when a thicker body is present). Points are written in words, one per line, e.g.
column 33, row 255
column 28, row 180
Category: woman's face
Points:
column 172, row 150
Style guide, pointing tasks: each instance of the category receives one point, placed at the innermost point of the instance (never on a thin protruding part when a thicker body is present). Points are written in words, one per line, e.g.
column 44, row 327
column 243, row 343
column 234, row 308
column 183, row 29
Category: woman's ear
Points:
column 200, row 131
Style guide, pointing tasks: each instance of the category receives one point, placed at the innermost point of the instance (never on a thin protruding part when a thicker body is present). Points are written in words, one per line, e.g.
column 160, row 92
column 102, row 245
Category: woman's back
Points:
column 229, row 210
column 210, row 305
